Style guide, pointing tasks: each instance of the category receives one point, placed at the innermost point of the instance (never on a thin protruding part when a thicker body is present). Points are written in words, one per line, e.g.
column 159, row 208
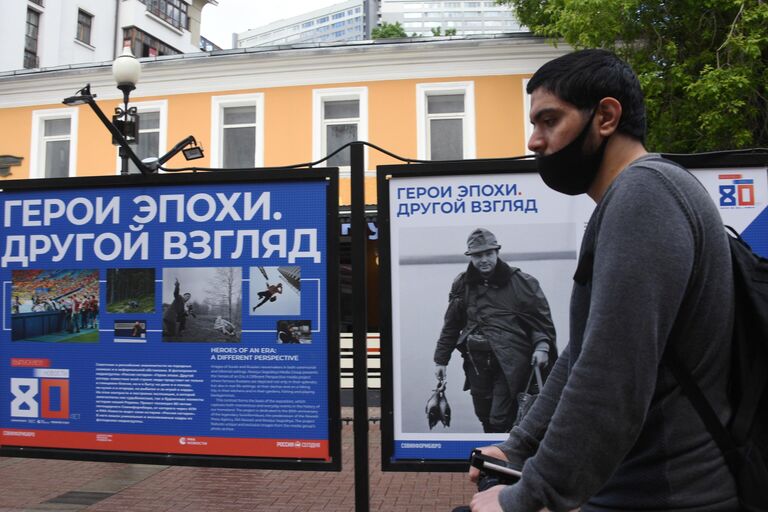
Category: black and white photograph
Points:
column 202, row 304
column 294, row 332
column 479, row 310
column 274, row 291
column 130, row 290
column 484, row 316
column 499, row 322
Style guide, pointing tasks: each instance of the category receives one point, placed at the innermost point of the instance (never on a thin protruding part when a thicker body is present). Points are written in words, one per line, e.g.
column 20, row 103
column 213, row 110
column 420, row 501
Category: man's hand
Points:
column 487, row 501
column 441, row 371
column 540, row 358
column 491, row 451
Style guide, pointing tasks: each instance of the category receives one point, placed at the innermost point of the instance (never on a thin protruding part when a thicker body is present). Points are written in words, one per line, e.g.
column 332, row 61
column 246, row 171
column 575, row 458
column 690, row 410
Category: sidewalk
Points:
column 56, row 485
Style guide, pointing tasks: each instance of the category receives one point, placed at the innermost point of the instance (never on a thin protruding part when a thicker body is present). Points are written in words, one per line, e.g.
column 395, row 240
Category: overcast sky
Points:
column 219, row 22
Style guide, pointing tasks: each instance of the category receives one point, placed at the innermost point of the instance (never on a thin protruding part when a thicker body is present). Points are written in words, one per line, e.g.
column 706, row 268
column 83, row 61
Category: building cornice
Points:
column 249, row 69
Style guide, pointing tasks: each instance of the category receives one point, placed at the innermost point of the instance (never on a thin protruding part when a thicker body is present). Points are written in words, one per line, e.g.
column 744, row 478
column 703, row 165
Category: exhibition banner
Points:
column 431, row 218
column 188, row 320
column 741, row 196
column 436, row 221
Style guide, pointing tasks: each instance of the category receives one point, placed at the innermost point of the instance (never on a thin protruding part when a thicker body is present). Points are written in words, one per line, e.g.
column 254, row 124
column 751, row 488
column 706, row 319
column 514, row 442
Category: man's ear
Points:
column 608, row 116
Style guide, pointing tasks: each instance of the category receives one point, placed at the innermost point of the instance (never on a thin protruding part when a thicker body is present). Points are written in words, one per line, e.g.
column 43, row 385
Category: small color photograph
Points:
column 130, row 290
column 130, row 331
column 275, row 291
column 55, row 306
column 294, row 331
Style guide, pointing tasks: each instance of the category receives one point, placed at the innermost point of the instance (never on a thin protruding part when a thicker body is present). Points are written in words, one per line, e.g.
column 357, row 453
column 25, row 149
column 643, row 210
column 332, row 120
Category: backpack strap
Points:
column 750, row 273
column 708, row 416
column 722, row 437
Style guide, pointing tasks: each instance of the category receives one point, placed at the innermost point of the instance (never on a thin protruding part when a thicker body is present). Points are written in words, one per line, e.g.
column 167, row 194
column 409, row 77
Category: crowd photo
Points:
column 55, row 305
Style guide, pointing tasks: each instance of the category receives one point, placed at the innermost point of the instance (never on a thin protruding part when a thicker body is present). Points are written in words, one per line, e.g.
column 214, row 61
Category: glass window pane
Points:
column 149, row 120
column 446, row 139
column 132, row 169
column 239, row 147
column 57, row 159
column 149, row 145
column 54, row 127
column 240, row 115
column 341, row 109
column 336, row 135
column 445, row 103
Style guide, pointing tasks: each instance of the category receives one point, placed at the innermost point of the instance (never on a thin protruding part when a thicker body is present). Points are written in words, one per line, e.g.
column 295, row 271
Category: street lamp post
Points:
column 126, row 70
column 124, row 125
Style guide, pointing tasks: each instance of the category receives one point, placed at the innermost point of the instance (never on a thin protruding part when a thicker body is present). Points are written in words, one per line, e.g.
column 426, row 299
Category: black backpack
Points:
column 744, row 440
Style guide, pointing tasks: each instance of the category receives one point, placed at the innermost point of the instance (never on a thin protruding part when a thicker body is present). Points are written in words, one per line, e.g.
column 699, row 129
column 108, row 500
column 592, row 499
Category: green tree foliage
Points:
column 388, row 30
column 438, row 31
column 703, row 64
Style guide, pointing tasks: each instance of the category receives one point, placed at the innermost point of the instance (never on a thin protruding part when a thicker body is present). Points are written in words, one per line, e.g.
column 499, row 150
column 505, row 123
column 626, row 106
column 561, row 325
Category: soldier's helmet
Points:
column 481, row 240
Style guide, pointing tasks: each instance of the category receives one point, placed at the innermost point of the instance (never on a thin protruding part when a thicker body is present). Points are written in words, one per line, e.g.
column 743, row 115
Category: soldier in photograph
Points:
column 499, row 320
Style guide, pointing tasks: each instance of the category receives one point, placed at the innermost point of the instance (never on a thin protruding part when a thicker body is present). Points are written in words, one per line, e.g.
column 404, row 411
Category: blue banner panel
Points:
column 188, row 320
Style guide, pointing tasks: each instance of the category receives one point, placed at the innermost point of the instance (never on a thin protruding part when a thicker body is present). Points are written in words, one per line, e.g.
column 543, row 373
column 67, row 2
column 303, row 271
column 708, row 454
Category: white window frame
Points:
column 160, row 106
column 37, row 145
column 422, row 119
column 320, row 96
column 527, row 117
column 218, row 104
column 89, row 42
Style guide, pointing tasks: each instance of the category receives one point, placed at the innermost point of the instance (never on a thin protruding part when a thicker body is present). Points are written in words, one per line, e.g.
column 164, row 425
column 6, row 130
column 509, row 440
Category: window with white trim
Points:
column 153, row 123
column 84, row 24
column 526, row 117
column 446, row 121
column 340, row 116
column 237, row 137
column 31, row 59
column 53, row 143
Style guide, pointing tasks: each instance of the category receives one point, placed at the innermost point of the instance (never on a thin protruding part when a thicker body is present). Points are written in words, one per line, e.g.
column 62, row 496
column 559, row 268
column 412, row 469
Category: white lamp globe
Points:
column 126, row 68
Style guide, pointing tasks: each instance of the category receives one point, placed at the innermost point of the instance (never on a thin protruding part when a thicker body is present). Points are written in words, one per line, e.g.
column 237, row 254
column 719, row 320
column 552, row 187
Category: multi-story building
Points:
column 352, row 20
column 355, row 19
column 50, row 33
column 425, row 98
column 421, row 17
column 433, row 99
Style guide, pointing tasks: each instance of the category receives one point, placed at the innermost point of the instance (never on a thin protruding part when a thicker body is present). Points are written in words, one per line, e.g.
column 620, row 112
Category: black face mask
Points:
column 569, row 170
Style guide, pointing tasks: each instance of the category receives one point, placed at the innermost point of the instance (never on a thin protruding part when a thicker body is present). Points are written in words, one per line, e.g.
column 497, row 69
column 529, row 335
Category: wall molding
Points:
column 241, row 70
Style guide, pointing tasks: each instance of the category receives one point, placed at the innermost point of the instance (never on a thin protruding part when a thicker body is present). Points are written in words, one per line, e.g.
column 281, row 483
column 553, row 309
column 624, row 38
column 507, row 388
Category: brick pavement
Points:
column 63, row 486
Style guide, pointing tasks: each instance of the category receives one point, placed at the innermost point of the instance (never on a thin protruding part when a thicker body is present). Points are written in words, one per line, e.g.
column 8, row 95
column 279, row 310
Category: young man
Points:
column 76, row 306
column 612, row 429
column 499, row 319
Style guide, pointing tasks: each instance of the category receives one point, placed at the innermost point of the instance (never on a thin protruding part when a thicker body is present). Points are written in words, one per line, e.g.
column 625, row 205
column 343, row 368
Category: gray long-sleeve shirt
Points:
column 612, row 429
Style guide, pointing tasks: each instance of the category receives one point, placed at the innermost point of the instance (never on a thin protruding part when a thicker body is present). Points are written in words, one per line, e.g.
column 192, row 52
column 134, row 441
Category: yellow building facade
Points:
column 450, row 98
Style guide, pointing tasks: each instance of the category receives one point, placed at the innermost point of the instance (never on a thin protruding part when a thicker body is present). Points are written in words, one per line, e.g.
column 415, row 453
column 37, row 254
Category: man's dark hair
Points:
column 585, row 77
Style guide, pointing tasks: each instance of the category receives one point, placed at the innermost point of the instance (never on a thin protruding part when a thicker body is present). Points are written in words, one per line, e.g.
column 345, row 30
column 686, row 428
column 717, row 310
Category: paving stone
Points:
column 43, row 485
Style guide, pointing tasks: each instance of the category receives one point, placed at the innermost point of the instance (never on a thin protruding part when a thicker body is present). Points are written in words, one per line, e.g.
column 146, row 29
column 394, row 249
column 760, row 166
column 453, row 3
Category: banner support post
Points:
column 359, row 234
